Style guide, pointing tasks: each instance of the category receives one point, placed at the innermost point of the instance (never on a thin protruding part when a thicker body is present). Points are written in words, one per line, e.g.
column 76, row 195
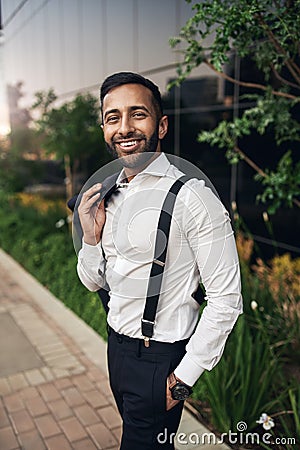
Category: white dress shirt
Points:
column 201, row 248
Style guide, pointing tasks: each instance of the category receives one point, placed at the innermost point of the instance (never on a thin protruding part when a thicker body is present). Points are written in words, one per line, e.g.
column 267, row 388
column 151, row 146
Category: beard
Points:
column 135, row 160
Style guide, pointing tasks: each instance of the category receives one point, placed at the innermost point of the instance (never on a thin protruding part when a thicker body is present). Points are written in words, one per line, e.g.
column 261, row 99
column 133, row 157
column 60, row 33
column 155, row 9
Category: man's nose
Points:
column 126, row 125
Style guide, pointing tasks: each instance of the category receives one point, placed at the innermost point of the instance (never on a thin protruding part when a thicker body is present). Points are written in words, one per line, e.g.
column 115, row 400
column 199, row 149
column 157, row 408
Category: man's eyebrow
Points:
column 131, row 108
column 135, row 107
column 111, row 111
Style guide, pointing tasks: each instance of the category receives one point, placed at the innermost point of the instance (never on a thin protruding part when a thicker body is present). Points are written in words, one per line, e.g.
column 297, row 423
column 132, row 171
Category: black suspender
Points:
column 158, row 264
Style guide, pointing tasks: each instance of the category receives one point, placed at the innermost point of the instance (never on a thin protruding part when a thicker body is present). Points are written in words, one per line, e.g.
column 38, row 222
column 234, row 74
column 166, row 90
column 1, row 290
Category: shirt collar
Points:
column 159, row 167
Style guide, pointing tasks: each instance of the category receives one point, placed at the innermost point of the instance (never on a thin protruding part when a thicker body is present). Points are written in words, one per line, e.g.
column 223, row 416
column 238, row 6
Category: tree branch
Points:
column 250, row 162
column 283, row 80
column 246, row 84
column 257, row 168
column 291, row 65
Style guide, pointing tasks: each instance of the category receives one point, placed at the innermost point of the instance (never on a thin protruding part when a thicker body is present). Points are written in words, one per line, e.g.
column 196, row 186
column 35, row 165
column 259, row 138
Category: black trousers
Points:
column 138, row 378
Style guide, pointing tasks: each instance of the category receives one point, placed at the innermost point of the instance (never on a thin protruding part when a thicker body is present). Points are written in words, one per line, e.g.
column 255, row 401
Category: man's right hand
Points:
column 92, row 215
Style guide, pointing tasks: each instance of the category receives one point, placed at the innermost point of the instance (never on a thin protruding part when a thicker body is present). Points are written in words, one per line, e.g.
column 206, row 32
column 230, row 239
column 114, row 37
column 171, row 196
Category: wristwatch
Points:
column 179, row 390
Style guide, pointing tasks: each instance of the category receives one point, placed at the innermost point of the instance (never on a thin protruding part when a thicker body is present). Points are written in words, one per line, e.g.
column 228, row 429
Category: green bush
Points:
column 31, row 237
column 242, row 385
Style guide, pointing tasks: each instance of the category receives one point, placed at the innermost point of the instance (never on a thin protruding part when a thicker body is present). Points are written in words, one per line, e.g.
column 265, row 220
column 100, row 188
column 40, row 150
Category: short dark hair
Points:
column 120, row 78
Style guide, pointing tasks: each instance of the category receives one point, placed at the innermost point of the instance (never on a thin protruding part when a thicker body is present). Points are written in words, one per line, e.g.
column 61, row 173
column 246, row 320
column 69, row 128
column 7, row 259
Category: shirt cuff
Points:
column 90, row 252
column 188, row 371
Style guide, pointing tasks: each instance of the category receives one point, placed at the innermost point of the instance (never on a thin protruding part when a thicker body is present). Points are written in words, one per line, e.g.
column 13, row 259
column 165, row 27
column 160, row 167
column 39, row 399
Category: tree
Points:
column 71, row 132
column 21, row 136
column 19, row 117
column 266, row 32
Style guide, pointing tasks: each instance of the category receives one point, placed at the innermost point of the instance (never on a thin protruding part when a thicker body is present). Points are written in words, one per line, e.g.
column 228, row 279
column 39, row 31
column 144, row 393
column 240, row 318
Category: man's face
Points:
column 131, row 125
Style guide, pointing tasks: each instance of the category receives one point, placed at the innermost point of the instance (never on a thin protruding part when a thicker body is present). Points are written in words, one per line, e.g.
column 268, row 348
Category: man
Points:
column 150, row 379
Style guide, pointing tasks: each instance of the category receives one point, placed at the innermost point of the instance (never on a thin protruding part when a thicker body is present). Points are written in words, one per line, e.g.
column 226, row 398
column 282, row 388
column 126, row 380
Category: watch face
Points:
column 180, row 392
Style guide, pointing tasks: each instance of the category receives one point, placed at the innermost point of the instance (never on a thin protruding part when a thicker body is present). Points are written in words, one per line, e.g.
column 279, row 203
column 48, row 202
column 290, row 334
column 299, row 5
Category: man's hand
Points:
column 170, row 402
column 92, row 215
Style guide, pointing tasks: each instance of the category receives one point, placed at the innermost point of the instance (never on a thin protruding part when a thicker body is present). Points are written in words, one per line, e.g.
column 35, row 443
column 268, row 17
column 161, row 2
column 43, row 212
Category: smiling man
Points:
column 151, row 377
column 133, row 123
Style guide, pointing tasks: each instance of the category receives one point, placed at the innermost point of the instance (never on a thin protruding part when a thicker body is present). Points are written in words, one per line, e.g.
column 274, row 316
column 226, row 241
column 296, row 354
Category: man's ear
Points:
column 163, row 127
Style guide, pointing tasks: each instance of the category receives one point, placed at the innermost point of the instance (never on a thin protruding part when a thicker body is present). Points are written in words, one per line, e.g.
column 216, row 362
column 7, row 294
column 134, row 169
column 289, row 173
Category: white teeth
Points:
column 127, row 144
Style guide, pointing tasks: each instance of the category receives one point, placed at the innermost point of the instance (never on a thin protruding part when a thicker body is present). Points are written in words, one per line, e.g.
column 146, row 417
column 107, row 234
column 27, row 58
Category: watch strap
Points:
column 177, row 387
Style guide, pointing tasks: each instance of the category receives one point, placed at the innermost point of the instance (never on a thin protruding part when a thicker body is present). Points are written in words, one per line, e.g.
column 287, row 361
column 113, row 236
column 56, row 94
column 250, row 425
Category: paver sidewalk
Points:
column 54, row 390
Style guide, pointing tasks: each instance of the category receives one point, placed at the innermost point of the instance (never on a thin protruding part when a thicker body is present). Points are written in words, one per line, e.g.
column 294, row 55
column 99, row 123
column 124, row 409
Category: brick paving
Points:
column 61, row 399
column 62, row 405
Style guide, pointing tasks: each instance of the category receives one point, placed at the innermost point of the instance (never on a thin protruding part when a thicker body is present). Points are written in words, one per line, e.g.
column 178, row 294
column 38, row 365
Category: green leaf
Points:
column 268, row 34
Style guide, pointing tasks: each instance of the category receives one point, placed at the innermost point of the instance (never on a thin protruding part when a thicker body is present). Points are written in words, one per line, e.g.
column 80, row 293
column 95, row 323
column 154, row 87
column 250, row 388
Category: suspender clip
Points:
column 160, row 263
column 147, row 331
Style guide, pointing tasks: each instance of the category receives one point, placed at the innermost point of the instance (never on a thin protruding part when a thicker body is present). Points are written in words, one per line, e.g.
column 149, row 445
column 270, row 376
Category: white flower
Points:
column 266, row 421
column 60, row 223
column 254, row 305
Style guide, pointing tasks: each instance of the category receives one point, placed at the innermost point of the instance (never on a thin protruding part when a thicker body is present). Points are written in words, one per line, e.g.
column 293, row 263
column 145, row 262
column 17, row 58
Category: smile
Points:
column 128, row 144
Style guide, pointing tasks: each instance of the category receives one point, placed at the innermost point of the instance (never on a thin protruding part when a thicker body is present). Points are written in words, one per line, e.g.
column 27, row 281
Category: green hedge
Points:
column 30, row 236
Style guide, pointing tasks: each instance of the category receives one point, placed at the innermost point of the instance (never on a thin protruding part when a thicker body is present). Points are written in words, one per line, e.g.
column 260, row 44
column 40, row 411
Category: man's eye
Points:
column 112, row 119
column 139, row 114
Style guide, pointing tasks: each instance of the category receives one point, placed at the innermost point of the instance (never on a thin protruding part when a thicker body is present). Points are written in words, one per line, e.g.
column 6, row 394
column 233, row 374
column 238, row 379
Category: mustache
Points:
column 132, row 136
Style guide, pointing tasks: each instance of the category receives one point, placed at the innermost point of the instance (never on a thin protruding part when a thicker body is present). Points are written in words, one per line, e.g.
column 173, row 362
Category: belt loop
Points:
column 139, row 344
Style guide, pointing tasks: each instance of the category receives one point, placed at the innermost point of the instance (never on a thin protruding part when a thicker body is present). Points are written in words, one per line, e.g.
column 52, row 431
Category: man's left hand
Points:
column 170, row 402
